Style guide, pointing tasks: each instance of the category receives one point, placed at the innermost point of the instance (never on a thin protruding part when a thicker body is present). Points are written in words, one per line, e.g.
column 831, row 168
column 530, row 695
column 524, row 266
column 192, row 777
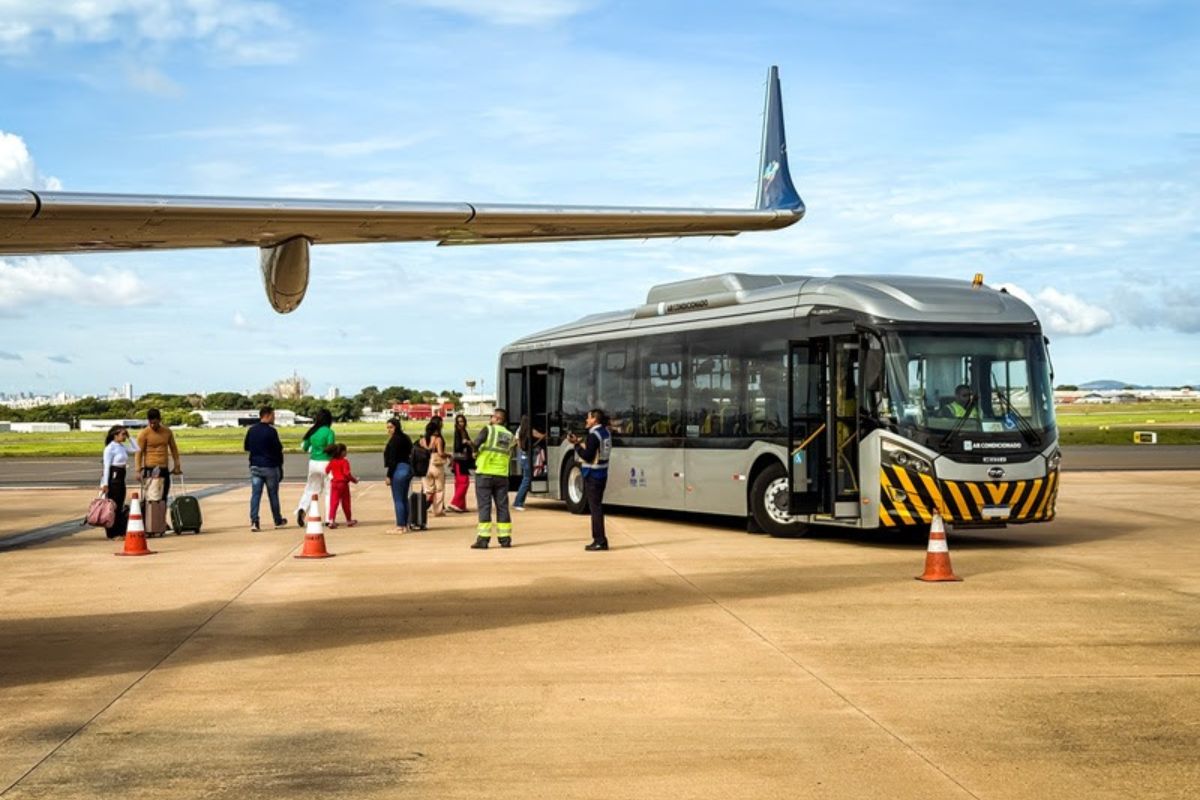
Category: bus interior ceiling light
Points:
column 284, row 230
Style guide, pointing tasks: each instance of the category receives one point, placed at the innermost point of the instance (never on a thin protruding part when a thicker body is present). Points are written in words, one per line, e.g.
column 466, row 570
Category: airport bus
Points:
column 854, row 401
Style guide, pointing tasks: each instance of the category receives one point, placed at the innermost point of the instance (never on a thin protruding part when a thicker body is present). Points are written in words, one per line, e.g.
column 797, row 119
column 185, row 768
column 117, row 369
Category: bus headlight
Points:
column 1054, row 460
column 906, row 460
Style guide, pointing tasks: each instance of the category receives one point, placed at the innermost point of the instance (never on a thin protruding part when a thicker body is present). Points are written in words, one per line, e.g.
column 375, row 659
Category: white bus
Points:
column 795, row 401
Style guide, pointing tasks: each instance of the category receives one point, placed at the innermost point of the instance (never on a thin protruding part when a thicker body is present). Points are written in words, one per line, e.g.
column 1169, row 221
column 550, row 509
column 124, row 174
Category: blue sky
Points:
column 1053, row 147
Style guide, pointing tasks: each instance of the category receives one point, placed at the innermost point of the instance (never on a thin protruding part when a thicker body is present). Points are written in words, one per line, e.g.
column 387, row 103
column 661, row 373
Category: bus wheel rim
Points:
column 575, row 485
column 775, row 502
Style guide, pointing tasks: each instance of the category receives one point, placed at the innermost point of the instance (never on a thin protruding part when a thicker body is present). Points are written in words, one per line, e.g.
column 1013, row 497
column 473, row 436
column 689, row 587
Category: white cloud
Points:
column 238, row 30
column 1165, row 304
column 17, row 169
column 1062, row 313
column 512, row 12
column 26, row 282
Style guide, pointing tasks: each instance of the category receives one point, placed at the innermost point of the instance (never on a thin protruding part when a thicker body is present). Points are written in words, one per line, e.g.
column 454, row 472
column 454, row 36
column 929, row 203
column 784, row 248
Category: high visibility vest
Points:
column 494, row 456
column 958, row 409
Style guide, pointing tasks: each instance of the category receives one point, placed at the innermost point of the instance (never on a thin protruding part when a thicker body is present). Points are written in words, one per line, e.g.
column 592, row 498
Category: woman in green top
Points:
column 319, row 436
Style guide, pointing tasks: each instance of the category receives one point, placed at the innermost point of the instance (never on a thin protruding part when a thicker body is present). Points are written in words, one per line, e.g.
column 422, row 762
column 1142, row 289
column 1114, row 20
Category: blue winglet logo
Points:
column 775, row 189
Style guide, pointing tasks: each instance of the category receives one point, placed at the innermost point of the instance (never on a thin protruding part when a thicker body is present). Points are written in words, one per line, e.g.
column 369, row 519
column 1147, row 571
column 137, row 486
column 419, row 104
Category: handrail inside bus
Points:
column 805, row 443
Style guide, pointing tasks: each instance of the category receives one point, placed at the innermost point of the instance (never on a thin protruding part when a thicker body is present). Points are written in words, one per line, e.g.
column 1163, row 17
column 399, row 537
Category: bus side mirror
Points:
column 872, row 370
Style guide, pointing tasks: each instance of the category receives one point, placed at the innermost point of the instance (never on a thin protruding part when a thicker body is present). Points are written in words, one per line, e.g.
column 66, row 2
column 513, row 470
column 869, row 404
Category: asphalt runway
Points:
column 689, row 661
column 369, row 466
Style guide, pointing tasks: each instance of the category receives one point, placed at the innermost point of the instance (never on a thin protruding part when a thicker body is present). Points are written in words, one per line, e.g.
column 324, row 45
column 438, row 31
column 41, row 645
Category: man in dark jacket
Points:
column 266, row 465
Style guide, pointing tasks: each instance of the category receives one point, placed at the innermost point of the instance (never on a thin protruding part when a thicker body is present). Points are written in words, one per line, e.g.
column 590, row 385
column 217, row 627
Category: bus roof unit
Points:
column 717, row 299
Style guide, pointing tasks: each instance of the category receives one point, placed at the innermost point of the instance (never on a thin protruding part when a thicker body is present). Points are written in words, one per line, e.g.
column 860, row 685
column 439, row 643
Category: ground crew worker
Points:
column 593, row 455
column 494, row 445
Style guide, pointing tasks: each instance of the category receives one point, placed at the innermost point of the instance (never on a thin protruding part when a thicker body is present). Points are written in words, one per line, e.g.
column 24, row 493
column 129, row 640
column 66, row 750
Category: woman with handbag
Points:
column 117, row 449
column 464, row 462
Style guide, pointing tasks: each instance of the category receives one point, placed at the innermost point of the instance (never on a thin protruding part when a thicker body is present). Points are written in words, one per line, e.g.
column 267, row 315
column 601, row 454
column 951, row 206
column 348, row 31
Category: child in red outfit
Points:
column 340, row 478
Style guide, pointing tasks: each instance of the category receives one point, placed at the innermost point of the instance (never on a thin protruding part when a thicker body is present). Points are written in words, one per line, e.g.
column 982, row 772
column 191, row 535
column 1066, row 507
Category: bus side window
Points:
column 578, row 385
column 661, row 412
column 616, row 386
column 713, row 406
column 766, row 390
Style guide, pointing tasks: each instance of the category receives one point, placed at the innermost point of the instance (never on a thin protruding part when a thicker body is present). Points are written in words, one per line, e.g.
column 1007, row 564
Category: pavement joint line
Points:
column 70, row 527
column 146, row 674
column 1046, row 677
column 828, row 686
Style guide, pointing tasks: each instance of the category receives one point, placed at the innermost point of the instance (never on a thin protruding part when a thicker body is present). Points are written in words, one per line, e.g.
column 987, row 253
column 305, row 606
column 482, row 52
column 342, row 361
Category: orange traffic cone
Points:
column 937, row 557
column 314, row 534
column 135, row 532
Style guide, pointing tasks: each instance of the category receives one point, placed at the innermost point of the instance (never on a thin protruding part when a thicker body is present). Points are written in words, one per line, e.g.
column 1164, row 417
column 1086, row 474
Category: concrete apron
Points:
column 690, row 661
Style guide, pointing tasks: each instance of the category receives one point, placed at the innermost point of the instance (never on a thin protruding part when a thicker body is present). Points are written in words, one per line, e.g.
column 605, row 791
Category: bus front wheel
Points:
column 572, row 488
column 769, row 495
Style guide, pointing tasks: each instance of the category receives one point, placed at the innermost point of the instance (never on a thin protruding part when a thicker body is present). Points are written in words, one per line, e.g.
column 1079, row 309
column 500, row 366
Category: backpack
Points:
column 420, row 459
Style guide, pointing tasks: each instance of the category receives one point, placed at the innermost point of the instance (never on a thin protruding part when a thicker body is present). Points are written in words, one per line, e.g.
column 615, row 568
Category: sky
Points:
column 1053, row 147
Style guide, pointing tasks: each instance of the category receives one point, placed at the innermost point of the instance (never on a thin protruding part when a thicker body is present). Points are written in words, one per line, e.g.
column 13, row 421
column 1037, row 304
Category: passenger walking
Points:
column 396, row 456
column 156, row 448
column 434, row 480
column 318, row 437
column 464, row 462
column 340, row 477
column 266, row 466
column 494, row 444
column 117, row 448
column 593, row 455
column 530, row 441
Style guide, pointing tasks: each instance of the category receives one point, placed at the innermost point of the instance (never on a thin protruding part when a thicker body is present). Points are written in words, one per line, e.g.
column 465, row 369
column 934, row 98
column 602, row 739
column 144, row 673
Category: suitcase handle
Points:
column 182, row 484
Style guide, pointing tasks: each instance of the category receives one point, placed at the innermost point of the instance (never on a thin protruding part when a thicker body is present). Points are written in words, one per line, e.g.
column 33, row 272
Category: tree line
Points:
column 180, row 409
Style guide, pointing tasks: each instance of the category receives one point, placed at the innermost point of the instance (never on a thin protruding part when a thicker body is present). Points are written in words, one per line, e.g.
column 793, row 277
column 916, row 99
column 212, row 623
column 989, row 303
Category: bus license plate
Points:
column 996, row 512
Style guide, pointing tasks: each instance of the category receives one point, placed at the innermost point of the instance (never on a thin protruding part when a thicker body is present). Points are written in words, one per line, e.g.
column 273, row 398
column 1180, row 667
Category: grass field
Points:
column 358, row 436
column 1175, row 423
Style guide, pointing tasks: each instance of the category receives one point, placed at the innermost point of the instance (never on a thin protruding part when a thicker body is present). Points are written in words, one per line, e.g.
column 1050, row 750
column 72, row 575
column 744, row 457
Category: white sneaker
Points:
column 518, row 508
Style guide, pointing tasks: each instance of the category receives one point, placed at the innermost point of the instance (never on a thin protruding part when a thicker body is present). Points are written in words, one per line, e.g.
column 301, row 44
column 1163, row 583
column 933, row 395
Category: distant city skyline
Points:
column 1053, row 147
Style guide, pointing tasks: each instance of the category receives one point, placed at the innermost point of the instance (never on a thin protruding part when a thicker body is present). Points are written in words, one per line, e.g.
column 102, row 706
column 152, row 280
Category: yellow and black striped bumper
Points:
column 907, row 498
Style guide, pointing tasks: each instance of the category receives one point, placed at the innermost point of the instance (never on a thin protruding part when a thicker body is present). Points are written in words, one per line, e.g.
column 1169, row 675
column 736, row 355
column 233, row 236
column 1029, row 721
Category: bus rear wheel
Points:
column 769, row 495
column 571, row 488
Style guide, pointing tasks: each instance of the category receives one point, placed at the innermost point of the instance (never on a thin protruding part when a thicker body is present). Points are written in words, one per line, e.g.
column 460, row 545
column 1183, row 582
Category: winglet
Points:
column 775, row 189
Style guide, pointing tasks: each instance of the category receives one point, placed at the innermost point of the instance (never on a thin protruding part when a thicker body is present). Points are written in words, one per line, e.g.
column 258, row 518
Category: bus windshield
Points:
column 947, row 385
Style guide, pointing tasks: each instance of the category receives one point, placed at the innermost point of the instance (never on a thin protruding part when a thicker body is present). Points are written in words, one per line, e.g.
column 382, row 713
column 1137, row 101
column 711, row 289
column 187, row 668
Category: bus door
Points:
column 843, row 409
column 808, row 427
column 535, row 391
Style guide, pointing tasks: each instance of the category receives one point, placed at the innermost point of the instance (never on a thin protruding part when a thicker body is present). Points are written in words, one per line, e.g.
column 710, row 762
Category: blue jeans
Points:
column 269, row 476
column 400, row 481
column 526, row 478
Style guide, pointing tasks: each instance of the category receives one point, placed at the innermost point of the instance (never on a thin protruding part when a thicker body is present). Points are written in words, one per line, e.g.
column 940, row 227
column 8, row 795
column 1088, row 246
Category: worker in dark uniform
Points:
column 593, row 454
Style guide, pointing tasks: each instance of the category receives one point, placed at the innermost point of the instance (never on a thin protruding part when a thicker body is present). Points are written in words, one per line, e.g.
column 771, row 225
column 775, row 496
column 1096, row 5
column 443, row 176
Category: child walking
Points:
column 340, row 479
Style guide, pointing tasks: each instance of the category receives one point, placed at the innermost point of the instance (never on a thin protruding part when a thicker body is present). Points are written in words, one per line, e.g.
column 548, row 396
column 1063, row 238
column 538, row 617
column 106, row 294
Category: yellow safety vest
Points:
column 494, row 456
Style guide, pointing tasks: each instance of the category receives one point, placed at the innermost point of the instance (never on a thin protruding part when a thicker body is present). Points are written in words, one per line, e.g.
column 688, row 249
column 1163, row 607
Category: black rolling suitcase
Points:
column 185, row 512
column 418, row 511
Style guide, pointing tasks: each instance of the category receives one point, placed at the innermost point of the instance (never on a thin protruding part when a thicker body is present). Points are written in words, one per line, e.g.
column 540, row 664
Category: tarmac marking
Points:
column 71, row 527
column 155, row 666
column 766, row 640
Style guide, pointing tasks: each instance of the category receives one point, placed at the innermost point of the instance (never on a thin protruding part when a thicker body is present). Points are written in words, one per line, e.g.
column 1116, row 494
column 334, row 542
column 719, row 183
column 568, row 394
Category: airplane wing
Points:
column 72, row 222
